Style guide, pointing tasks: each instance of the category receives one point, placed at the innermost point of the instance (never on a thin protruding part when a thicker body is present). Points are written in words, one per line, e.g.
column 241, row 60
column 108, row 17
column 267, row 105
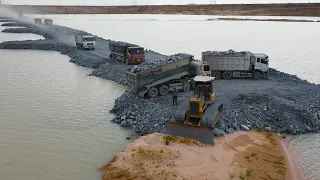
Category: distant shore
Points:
column 252, row 19
column 291, row 9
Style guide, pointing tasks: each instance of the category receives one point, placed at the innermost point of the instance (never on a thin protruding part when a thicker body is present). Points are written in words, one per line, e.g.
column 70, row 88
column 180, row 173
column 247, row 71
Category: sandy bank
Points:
column 258, row 155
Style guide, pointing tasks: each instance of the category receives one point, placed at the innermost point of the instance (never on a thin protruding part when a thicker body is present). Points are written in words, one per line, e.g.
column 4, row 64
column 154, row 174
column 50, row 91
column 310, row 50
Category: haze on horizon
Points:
column 147, row 2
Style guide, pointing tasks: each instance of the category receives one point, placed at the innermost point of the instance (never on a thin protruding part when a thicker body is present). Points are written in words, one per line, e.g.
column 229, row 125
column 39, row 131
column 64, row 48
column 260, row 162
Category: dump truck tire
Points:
column 257, row 75
column 216, row 74
column 153, row 92
column 227, row 75
column 163, row 90
column 186, row 87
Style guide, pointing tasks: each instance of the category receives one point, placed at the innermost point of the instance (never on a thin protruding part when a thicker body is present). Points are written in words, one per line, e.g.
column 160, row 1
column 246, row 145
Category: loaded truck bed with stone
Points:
column 160, row 80
column 231, row 64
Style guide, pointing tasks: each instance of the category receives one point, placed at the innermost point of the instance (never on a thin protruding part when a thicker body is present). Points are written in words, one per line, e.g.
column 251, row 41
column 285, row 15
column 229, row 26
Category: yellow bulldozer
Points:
column 197, row 117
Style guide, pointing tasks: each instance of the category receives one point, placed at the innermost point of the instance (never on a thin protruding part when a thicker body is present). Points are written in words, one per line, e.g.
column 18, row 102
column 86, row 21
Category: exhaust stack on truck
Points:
column 85, row 41
column 231, row 64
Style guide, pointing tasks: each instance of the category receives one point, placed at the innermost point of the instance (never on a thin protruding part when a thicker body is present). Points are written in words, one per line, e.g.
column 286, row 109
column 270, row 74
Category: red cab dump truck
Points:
column 126, row 53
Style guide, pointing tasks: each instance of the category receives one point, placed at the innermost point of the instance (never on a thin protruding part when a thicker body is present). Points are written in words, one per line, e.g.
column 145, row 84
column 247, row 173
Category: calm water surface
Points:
column 54, row 118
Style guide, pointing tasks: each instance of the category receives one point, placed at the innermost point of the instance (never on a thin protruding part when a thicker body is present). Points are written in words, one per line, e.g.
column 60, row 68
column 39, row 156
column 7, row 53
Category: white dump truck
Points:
column 85, row 41
column 48, row 22
column 38, row 21
column 231, row 64
column 163, row 79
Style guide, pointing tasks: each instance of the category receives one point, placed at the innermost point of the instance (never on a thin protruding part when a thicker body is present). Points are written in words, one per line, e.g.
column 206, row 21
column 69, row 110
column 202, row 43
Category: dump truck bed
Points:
column 228, row 62
column 159, row 74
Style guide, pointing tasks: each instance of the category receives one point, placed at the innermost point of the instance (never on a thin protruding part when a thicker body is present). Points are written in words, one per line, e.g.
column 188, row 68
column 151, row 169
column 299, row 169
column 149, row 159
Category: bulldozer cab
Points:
column 197, row 117
column 203, row 88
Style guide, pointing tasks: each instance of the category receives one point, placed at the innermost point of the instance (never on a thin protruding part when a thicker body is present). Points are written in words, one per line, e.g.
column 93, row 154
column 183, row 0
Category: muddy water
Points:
column 54, row 118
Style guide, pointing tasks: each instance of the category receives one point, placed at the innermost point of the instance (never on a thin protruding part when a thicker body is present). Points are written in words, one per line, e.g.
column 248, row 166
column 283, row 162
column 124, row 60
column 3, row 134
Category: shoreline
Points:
column 280, row 9
column 240, row 155
column 252, row 19
column 296, row 174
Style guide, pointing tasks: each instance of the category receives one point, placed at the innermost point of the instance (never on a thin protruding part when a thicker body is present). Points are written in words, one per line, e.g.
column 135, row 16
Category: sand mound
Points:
column 241, row 155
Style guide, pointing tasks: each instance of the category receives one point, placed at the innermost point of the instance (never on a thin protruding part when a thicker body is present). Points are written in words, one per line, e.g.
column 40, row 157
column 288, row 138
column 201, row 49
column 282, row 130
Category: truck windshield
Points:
column 88, row 39
column 136, row 51
column 264, row 61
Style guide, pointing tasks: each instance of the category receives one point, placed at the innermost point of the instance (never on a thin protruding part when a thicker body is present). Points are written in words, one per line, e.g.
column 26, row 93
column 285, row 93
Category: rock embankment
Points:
column 241, row 155
column 28, row 30
column 18, row 24
column 280, row 104
column 284, row 103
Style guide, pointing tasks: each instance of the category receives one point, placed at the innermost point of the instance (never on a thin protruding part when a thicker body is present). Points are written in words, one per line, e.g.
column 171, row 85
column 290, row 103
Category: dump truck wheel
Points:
column 186, row 87
column 216, row 74
column 163, row 90
column 257, row 75
column 227, row 75
column 153, row 92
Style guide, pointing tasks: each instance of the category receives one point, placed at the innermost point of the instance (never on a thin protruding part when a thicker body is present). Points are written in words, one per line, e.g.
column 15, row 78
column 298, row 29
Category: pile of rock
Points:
column 156, row 62
column 229, row 52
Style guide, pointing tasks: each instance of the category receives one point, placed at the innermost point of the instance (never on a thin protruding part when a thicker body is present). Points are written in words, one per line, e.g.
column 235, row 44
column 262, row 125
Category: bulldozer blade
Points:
column 200, row 133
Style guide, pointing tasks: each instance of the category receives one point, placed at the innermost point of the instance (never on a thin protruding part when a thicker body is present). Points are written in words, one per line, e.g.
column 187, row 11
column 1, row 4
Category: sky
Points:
column 144, row 2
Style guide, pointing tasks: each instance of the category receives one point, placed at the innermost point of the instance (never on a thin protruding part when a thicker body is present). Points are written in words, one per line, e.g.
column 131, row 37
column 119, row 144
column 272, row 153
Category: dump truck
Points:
column 126, row 53
column 48, row 22
column 162, row 79
column 38, row 21
column 231, row 64
column 85, row 41
column 196, row 117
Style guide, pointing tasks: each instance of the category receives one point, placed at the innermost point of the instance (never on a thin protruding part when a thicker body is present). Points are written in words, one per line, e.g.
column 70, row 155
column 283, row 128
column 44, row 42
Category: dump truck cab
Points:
column 200, row 68
column 260, row 62
column 135, row 55
column 85, row 41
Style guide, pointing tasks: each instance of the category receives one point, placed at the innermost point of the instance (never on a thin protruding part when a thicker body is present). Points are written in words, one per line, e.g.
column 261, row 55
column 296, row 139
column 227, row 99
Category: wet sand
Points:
column 241, row 155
